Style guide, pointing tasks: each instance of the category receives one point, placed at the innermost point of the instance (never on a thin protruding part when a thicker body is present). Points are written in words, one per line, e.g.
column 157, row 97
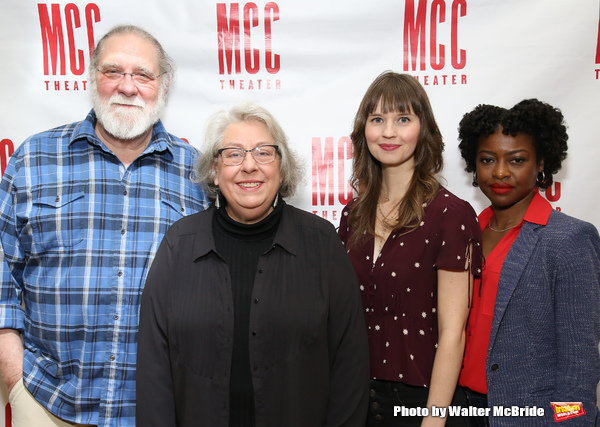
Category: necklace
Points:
column 387, row 220
column 500, row 231
column 387, row 224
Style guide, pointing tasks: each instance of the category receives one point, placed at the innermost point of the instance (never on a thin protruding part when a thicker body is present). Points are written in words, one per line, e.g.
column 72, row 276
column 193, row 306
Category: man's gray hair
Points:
column 165, row 63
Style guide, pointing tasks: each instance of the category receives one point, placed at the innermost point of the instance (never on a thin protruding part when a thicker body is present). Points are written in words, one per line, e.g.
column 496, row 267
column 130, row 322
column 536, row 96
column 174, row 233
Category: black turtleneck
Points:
column 241, row 245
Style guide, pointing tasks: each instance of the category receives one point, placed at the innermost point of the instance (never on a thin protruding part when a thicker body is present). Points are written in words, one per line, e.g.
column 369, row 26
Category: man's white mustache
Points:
column 119, row 99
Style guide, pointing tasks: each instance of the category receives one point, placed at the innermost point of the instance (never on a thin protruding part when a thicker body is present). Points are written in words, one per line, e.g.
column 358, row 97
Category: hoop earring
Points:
column 475, row 179
column 543, row 180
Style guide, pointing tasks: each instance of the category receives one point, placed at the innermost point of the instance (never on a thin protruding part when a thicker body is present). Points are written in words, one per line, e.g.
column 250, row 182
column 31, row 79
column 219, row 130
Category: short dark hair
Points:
column 539, row 120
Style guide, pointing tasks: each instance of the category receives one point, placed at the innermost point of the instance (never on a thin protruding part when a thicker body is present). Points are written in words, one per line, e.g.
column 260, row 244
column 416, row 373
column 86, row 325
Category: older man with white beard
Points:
column 83, row 208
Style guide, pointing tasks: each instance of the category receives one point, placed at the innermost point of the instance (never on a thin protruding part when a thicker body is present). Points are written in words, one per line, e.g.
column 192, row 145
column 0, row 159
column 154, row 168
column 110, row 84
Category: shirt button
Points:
column 260, row 270
column 112, row 357
column 57, row 199
column 116, row 317
column 120, row 273
column 255, row 300
column 182, row 209
column 253, row 333
column 124, row 192
column 122, row 231
column 495, row 367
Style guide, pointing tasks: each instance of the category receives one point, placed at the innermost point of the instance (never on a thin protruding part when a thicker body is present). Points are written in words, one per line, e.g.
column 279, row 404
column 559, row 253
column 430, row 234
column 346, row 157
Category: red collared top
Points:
column 473, row 374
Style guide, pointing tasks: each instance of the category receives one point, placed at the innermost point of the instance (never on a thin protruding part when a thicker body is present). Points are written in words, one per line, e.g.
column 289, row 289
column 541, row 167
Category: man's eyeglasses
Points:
column 263, row 155
column 116, row 75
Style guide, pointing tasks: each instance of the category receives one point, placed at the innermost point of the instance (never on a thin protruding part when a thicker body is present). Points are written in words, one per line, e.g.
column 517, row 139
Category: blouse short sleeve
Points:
column 458, row 232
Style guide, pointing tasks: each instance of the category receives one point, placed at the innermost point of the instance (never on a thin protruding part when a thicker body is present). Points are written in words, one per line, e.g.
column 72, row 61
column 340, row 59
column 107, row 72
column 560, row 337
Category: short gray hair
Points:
column 290, row 167
column 165, row 63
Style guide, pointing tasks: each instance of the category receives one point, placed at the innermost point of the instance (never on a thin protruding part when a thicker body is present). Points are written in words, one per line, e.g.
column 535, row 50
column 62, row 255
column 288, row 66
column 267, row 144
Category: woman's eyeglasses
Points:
column 263, row 155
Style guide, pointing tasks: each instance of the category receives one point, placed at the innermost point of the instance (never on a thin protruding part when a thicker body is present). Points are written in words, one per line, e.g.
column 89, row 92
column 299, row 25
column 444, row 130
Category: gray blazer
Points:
column 546, row 326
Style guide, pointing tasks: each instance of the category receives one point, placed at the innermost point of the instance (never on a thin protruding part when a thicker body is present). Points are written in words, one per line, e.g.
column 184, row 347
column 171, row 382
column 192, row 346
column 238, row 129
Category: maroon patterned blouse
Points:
column 399, row 290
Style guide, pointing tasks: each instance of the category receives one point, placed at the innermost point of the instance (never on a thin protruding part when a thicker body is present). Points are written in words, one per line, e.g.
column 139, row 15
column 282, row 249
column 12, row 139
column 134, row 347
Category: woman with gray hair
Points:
column 251, row 314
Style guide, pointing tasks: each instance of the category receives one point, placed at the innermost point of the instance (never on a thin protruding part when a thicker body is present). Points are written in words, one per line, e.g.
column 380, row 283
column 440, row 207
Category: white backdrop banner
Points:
column 309, row 62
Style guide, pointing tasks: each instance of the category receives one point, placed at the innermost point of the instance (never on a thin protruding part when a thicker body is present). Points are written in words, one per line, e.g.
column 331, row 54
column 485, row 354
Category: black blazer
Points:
column 308, row 346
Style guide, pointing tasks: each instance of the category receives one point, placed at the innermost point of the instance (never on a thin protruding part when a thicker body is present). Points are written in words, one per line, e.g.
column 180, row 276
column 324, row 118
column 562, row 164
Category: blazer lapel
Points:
column 516, row 260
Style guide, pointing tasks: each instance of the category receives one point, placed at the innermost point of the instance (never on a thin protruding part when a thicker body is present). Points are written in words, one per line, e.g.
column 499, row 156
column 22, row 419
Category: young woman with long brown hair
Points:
column 414, row 246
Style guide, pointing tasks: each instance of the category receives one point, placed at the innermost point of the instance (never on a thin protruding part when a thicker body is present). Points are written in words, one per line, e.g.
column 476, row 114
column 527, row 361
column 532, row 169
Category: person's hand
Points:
column 11, row 357
column 11, row 382
column 433, row 422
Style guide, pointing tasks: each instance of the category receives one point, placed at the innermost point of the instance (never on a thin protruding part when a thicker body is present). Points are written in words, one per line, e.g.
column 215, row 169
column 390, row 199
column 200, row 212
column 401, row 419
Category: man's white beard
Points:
column 126, row 122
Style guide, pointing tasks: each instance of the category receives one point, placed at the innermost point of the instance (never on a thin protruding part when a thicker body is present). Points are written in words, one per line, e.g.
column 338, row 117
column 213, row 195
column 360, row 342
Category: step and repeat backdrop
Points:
column 309, row 62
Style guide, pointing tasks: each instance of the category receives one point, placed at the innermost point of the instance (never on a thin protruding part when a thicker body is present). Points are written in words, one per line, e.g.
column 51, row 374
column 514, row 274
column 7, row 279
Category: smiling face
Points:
column 392, row 137
column 125, row 108
column 249, row 188
column 507, row 169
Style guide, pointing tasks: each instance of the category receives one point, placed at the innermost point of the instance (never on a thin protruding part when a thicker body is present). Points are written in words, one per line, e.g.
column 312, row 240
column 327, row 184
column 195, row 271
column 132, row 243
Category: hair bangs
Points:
column 392, row 101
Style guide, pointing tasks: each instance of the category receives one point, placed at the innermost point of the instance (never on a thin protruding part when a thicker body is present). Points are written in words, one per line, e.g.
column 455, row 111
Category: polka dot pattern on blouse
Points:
column 399, row 289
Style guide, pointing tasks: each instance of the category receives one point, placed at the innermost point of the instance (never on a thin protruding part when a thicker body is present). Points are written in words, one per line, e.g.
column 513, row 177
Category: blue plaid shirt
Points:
column 79, row 231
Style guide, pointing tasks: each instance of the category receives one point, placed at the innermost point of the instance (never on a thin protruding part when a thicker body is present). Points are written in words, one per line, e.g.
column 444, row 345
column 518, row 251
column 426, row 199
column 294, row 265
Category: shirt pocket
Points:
column 175, row 206
column 58, row 221
column 173, row 203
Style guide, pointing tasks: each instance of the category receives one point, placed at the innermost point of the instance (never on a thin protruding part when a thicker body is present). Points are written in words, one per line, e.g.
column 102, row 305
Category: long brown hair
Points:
column 401, row 93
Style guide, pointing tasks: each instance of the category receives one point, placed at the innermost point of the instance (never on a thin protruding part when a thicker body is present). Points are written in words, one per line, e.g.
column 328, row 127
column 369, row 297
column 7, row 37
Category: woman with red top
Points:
column 413, row 245
column 533, row 331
